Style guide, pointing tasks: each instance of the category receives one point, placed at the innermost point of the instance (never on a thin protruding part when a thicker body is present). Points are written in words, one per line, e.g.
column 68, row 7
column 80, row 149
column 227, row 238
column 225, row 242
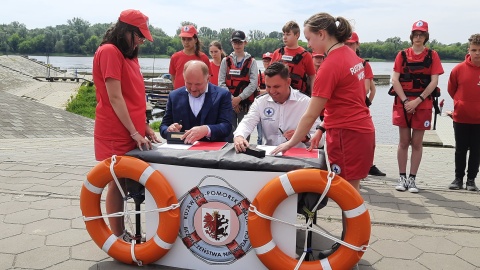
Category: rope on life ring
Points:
column 357, row 232
column 156, row 184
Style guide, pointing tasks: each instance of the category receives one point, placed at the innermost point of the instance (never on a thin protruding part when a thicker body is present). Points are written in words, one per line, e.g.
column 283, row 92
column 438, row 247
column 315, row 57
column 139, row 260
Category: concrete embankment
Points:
column 16, row 77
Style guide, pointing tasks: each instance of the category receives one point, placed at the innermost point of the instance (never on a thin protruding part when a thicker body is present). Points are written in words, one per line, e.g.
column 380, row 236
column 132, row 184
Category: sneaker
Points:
column 402, row 184
column 470, row 186
column 456, row 184
column 327, row 252
column 375, row 171
column 411, row 185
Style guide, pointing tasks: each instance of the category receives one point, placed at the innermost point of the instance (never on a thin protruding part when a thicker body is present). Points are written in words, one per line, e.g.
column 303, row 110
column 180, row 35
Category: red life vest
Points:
column 297, row 72
column 238, row 79
column 261, row 80
column 414, row 78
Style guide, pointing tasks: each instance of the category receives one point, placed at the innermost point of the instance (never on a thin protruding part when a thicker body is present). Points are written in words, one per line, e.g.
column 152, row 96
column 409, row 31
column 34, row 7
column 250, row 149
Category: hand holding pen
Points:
column 288, row 134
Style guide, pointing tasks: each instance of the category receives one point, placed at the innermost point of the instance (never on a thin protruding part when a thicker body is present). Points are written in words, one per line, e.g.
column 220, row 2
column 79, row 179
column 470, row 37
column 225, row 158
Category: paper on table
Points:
column 176, row 146
column 268, row 149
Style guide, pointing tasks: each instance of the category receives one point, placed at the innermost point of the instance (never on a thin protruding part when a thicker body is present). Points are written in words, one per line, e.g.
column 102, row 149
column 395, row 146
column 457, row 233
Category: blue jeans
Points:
column 260, row 133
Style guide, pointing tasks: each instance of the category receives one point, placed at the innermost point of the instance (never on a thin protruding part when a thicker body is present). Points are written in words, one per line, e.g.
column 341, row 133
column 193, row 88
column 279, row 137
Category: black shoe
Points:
column 457, row 184
column 375, row 171
column 327, row 252
column 470, row 186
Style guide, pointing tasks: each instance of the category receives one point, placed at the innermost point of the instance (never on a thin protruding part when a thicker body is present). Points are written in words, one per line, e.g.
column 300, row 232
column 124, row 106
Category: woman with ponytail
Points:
column 350, row 133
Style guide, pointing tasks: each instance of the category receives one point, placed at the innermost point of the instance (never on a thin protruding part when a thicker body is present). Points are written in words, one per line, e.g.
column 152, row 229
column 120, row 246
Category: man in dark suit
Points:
column 200, row 109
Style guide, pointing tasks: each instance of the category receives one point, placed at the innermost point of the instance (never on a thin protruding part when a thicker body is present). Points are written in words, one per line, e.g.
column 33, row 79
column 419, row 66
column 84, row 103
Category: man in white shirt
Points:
column 278, row 111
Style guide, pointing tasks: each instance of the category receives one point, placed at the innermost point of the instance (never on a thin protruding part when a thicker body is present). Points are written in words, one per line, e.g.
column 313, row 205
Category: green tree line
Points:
column 79, row 37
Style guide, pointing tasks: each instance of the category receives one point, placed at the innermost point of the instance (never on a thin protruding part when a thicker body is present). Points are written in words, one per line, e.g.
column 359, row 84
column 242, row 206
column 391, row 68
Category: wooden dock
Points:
column 381, row 79
column 62, row 78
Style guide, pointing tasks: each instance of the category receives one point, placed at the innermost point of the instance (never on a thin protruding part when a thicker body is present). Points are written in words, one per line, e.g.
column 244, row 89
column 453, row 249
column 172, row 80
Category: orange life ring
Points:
column 274, row 192
column 156, row 184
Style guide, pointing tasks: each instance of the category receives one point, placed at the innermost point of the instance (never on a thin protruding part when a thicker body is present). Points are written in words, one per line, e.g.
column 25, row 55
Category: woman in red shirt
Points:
column 120, row 119
column 350, row 136
column 192, row 50
column 415, row 78
column 217, row 54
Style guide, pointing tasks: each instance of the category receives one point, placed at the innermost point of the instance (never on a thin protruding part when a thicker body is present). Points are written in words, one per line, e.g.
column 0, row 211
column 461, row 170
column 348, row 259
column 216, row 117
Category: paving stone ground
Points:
column 45, row 153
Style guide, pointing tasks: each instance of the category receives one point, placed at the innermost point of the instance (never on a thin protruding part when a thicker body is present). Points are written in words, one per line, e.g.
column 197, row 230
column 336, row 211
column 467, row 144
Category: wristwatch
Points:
column 321, row 128
column 307, row 138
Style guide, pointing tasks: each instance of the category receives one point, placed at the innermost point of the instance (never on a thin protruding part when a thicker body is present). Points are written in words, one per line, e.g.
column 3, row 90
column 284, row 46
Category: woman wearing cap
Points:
column 120, row 119
column 216, row 52
column 415, row 78
column 350, row 136
column 192, row 50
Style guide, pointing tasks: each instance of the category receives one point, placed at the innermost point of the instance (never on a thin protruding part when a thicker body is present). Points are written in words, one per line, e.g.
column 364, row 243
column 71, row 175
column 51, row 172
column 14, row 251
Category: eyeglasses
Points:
column 140, row 36
column 418, row 35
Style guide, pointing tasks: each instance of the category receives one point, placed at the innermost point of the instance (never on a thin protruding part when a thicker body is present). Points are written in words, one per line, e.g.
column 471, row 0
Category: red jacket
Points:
column 464, row 88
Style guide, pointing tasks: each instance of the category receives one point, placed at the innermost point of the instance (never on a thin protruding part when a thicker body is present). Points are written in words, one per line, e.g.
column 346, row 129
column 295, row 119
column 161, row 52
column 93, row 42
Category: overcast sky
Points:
column 449, row 21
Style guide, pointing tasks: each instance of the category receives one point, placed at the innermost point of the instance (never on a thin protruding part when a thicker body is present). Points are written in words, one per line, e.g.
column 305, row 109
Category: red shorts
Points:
column 350, row 153
column 421, row 119
column 107, row 148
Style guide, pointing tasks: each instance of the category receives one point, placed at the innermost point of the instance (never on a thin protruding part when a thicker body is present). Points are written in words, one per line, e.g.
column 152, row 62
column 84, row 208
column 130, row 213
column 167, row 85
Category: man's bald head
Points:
column 196, row 75
column 196, row 66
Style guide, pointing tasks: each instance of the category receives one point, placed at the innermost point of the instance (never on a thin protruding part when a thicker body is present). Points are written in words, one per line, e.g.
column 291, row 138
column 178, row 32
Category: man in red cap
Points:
column 192, row 50
column 317, row 60
column 266, row 59
column 370, row 90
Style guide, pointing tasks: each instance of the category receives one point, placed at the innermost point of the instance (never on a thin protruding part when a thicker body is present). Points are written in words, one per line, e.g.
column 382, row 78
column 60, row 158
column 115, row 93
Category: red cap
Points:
column 267, row 55
column 136, row 18
column 353, row 38
column 188, row 31
column 420, row 26
column 318, row 54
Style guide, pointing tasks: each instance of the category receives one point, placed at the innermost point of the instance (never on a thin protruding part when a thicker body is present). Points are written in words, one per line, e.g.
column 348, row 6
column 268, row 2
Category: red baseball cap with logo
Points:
column 420, row 26
column 138, row 19
column 353, row 38
column 188, row 31
column 267, row 55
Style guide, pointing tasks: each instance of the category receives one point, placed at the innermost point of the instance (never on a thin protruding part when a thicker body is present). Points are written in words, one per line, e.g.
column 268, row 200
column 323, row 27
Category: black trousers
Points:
column 467, row 137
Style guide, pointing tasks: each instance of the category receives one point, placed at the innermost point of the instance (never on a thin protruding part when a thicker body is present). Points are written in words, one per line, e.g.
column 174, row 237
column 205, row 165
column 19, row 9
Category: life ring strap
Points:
column 146, row 175
column 356, row 211
column 287, row 186
column 266, row 248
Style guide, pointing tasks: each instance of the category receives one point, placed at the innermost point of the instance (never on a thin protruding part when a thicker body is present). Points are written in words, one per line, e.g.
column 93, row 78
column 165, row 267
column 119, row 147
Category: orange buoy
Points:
column 156, row 184
column 357, row 232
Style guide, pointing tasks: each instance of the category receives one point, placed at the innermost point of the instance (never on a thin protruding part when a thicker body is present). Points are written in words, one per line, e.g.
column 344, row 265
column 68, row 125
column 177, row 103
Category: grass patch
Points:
column 84, row 103
column 156, row 125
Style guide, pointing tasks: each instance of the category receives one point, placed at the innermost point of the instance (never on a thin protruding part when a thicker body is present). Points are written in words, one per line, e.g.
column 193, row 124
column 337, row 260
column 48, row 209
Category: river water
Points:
column 381, row 108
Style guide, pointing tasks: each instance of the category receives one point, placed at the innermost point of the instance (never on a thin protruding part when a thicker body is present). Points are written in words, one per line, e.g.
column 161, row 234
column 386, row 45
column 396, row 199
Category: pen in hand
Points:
column 281, row 131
